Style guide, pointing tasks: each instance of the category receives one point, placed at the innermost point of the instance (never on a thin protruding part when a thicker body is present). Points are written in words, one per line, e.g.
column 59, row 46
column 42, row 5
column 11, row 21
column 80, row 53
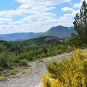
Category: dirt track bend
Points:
column 33, row 75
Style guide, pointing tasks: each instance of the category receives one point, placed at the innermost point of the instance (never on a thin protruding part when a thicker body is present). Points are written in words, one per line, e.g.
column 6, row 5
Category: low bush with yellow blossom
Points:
column 69, row 72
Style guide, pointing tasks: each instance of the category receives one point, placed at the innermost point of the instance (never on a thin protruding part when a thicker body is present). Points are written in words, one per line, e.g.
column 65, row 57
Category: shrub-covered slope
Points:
column 60, row 32
column 71, row 72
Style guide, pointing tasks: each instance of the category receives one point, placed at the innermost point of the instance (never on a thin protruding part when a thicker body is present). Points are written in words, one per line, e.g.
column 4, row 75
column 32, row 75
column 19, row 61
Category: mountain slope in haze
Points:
column 40, row 41
column 19, row 36
column 60, row 32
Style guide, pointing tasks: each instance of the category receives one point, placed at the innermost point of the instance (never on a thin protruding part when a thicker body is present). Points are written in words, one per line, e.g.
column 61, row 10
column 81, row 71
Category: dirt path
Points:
column 33, row 75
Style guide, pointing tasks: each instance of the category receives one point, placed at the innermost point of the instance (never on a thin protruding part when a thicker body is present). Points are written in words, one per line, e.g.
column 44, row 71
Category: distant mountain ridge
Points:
column 60, row 32
column 19, row 36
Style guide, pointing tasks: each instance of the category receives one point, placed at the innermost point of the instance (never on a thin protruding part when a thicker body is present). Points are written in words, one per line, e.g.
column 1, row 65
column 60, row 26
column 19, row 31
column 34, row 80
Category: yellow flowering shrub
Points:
column 2, row 78
column 69, row 72
column 55, row 83
column 46, row 81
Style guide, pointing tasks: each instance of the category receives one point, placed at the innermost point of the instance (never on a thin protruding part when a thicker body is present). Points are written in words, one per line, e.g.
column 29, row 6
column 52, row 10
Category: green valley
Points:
column 30, row 50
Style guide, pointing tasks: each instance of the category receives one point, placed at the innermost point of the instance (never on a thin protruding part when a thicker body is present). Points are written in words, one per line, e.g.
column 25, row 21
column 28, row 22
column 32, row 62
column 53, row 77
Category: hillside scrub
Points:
column 14, row 52
column 17, row 54
column 69, row 72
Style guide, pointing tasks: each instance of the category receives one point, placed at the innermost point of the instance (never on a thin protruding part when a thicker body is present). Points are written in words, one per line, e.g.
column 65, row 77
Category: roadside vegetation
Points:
column 18, row 54
column 71, row 71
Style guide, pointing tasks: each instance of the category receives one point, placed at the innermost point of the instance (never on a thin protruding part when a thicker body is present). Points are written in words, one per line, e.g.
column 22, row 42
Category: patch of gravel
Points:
column 33, row 75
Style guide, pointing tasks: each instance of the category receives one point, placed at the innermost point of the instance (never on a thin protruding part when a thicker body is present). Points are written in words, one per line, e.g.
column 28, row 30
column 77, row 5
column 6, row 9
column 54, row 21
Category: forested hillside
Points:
column 15, row 52
column 60, row 32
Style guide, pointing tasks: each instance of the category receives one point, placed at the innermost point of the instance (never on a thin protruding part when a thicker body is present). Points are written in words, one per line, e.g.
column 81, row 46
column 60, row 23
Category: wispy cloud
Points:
column 67, row 9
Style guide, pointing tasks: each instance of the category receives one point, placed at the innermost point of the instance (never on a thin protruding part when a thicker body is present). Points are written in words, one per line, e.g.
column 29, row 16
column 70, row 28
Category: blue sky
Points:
column 36, row 15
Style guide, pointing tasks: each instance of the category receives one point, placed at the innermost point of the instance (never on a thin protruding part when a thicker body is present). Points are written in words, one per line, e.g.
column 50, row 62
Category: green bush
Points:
column 4, row 60
column 24, row 62
column 16, row 60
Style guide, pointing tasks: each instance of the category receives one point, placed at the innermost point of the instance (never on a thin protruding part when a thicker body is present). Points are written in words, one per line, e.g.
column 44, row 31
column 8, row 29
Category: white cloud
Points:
column 38, row 16
column 67, row 9
column 43, row 1
column 78, row 5
column 5, row 20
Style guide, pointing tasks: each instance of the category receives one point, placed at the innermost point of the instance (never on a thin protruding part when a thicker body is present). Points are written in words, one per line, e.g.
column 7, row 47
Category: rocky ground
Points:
column 33, row 75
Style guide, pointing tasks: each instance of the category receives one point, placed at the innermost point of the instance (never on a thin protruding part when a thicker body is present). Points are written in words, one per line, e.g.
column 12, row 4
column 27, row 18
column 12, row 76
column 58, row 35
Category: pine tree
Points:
column 80, row 23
